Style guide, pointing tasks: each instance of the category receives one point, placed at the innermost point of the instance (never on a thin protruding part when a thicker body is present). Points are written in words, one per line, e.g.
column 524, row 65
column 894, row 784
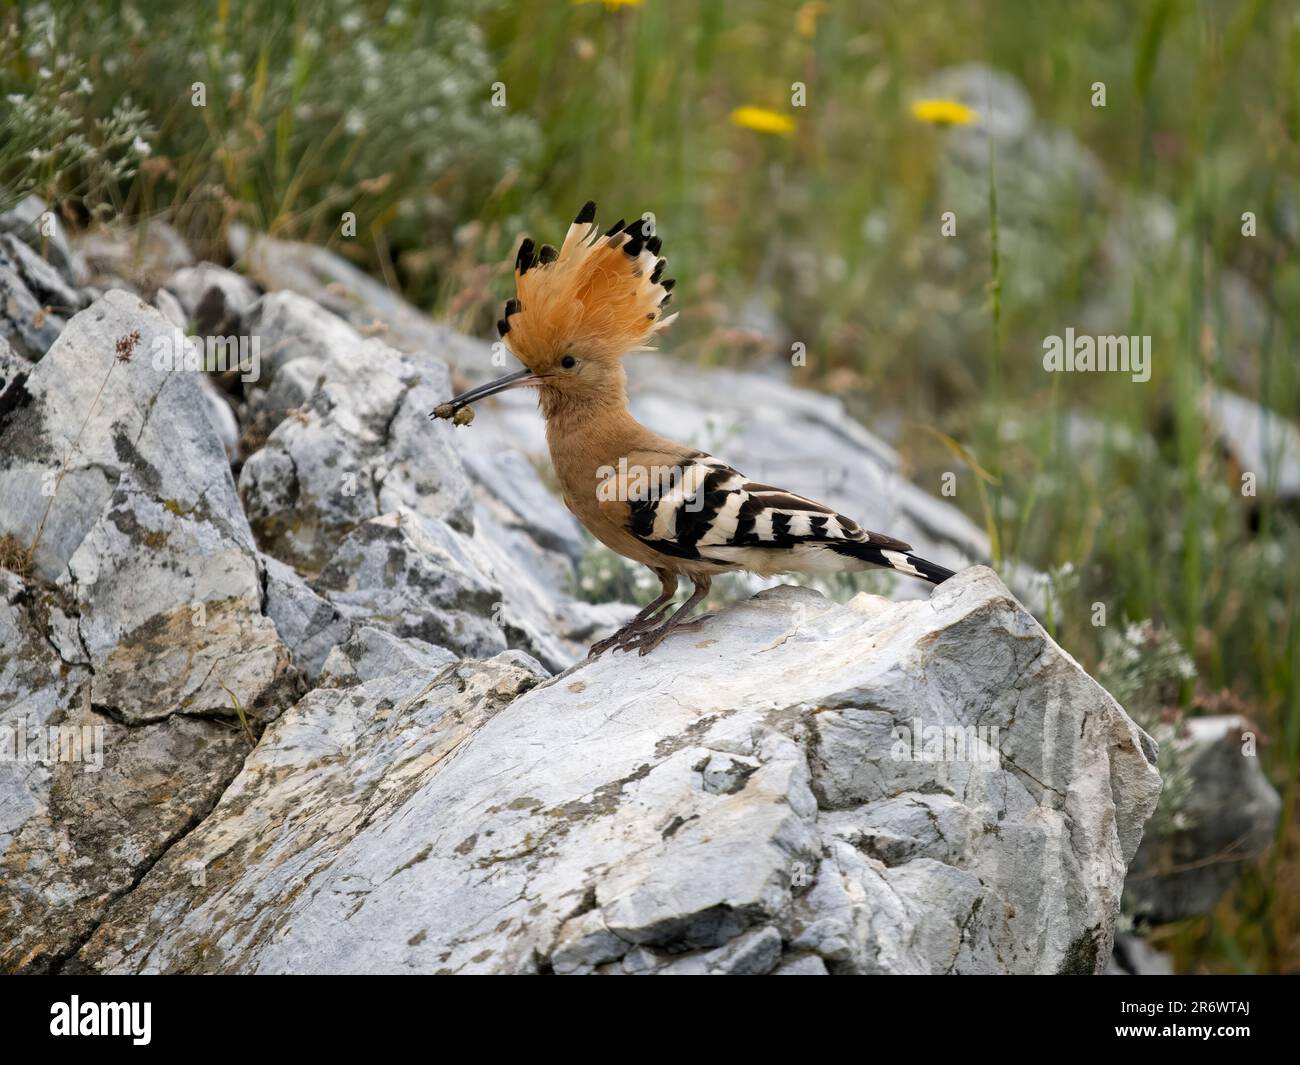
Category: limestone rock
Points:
column 363, row 446
column 215, row 298
column 26, row 324
column 139, row 257
column 49, row 287
column 144, row 531
column 418, row 578
column 41, row 229
column 89, row 801
column 371, row 653
column 309, row 625
column 353, row 295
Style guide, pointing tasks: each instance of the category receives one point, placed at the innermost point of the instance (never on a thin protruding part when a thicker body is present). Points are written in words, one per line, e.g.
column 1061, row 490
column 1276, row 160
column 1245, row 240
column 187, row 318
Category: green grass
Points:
column 833, row 231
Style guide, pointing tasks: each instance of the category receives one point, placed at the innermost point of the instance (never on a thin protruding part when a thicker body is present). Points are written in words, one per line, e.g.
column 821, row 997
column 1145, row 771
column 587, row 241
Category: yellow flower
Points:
column 762, row 120
column 806, row 19
column 944, row 112
column 613, row 5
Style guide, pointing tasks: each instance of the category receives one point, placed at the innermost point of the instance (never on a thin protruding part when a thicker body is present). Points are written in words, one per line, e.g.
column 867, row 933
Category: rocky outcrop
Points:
column 771, row 793
column 293, row 674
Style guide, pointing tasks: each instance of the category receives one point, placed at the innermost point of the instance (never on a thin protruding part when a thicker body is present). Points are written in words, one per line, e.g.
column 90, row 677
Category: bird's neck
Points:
column 576, row 412
column 600, row 407
column 584, row 435
column 597, row 422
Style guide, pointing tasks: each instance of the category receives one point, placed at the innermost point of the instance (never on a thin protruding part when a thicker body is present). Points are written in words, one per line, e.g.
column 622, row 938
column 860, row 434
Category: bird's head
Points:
column 577, row 311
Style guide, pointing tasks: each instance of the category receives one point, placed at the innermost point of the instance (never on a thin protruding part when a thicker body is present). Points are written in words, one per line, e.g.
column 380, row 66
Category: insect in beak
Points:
column 519, row 379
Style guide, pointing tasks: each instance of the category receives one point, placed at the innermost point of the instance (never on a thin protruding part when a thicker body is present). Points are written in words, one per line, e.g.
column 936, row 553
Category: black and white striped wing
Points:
column 709, row 511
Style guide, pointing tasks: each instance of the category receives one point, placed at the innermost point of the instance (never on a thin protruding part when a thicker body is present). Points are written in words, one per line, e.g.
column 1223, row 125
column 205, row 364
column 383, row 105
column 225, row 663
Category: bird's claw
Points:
column 623, row 640
column 642, row 636
column 647, row 642
column 620, row 640
column 601, row 646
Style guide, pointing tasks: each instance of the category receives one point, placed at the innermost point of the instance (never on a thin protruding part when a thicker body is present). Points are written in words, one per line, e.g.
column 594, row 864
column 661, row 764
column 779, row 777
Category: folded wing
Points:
column 704, row 509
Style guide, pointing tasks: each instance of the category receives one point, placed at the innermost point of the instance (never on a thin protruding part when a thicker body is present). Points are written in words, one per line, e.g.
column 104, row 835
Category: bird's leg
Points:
column 650, row 640
column 647, row 615
column 650, row 613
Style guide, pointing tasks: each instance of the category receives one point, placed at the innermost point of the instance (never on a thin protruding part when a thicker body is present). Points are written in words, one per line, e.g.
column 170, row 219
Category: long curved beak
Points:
column 519, row 379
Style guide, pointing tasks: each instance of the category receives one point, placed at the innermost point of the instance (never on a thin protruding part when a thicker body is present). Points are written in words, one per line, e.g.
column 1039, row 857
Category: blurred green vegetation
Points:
column 1122, row 219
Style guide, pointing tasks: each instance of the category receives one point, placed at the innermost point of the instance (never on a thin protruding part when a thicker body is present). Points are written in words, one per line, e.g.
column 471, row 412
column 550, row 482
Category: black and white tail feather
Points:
column 711, row 513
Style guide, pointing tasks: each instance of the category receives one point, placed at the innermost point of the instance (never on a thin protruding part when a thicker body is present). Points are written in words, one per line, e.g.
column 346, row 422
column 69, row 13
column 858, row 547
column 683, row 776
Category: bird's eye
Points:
column 568, row 362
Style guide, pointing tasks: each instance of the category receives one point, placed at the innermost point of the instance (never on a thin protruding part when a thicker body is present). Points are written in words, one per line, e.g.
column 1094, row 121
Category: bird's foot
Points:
column 619, row 640
column 601, row 646
column 647, row 642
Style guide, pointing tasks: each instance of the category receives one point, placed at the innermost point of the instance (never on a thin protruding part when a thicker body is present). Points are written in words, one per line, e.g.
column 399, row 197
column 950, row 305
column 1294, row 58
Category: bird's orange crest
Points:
column 600, row 294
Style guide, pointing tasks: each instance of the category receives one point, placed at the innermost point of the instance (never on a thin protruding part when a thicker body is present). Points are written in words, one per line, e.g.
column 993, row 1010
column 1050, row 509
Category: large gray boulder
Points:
column 797, row 787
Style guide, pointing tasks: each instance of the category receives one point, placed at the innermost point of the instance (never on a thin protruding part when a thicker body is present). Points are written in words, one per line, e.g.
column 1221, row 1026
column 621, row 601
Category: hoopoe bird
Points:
column 683, row 513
